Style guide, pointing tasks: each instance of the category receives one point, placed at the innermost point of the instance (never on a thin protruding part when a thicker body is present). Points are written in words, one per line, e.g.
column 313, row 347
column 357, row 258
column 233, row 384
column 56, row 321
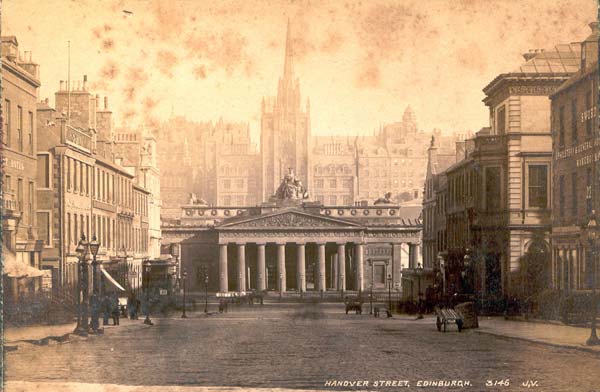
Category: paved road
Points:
column 301, row 347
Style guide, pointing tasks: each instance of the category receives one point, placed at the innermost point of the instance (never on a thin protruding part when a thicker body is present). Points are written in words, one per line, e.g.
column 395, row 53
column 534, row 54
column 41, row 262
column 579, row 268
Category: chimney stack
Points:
column 84, row 82
column 97, row 102
column 62, row 85
column 105, row 103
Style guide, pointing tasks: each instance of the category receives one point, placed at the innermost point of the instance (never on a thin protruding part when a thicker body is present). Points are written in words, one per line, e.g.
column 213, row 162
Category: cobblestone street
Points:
column 299, row 347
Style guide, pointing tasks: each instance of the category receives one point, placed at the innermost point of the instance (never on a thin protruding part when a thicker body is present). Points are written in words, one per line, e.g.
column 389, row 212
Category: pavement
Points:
column 295, row 347
column 538, row 332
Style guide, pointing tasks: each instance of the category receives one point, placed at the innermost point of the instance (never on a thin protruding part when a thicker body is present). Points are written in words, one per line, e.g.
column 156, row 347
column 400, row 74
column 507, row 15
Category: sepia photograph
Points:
column 296, row 195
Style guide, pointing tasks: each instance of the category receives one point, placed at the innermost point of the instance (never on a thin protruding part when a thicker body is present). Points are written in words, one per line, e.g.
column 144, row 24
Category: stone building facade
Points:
column 575, row 153
column 20, row 83
column 498, row 195
column 85, row 191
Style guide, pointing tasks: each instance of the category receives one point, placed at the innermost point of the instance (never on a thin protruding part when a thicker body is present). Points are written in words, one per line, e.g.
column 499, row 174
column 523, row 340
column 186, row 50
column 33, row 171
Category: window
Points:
column 75, row 176
column 561, row 126
column 538, row 186
column 574, row 194
column 588, row 193
column 561, row 196
column 347, row 200
column 501, row 121
column 227, row 184
column 20, row 128
column 30, row 201
column 492, row 188
column 43, row 170
column 574, row 120
column 76, row 229
column 68, row 164
column 239, row 200
column 43, row 224
column 7, row 183
column 8, row 122
column 347, row 183
column 588, row 105
column 20, row 194
column 333, row 183
column 226, row 201
column 379, row 278
column 239, row 183
column 332, row 200
column 319, row 183
column 30, row 141
column 69, row 234
column 320, row 199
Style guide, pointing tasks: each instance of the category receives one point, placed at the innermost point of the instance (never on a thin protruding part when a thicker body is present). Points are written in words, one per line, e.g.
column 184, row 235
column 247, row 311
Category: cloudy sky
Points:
column 360, row 62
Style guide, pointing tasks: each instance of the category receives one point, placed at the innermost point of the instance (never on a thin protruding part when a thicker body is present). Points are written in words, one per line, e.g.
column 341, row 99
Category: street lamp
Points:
column 443, row 271
column 183, row 315
column 466, row 272
column 94, row 246
column 389, row 279
column 82, row 322
column 206, row 290
column 146, row 271
column 592, row 235
column 419, row 270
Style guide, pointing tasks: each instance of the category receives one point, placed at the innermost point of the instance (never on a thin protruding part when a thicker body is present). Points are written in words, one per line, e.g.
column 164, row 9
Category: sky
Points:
column 359, row 62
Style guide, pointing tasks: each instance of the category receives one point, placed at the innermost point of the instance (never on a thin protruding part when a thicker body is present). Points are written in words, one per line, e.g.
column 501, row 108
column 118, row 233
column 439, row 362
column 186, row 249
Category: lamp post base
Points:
column 184, row 316
column 147, row 321
column 593, row 339
column 80, row 331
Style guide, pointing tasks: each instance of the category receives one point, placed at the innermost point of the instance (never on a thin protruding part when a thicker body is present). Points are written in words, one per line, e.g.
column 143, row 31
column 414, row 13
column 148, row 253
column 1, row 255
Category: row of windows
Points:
column 140, row 203
column 24, row 132
column 238, row 183
column 333, row 200
column 237, row 200
column 14, row 197
column 332, row 169
column 83, row 178
column 345, row 183
column 574, row 119
column 110, row 233
column 562, row 188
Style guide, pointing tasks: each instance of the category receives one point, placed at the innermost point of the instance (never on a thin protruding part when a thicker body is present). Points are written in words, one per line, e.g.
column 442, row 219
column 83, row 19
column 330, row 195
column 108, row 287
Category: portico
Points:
column 294, row 250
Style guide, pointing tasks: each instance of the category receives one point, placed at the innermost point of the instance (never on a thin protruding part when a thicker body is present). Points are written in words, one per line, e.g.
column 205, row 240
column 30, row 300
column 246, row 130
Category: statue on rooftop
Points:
column 387, row 199
column 291, row 188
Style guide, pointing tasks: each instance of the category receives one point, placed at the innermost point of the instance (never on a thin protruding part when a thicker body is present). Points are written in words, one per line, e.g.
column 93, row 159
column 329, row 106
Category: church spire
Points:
column 288, row 67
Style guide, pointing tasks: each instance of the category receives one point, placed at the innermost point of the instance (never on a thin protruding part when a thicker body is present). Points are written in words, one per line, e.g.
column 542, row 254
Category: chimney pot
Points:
column 62, row 85
column 97, row 101
column 594, row 26
column 105, row 103
column 46, row 100
column 84, row 82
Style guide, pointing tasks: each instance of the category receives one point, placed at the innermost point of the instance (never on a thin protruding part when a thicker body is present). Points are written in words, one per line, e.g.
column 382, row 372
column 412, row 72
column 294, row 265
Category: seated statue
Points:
column 291, row 188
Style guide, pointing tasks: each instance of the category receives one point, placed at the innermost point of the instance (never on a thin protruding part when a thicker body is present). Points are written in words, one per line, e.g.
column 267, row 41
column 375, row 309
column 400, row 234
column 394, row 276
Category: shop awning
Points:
column 16, row 269
column 111, row 279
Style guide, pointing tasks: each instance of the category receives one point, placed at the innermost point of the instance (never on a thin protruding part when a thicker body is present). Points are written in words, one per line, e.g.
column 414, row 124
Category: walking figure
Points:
column 115, row 309
column 106, row 306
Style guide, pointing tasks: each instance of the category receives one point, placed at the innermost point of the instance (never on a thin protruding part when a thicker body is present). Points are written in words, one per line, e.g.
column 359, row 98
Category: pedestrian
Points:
column 131, row 306
column 115, row 309
column 138, row 305
column 106, row 306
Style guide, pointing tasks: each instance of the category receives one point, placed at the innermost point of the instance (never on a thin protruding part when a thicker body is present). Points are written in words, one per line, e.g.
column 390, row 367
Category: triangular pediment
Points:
column 287, row 219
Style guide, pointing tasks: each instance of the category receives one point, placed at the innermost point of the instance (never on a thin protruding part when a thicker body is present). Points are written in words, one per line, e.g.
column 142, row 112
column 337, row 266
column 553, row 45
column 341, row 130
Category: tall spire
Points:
column 288, row 67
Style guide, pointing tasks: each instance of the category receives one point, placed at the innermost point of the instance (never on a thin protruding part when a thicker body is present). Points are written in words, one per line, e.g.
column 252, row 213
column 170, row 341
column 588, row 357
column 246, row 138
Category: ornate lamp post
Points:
column 466, row 275
column 82, row 327
column 389, row 279
column 419, row 271
column 443, row 271
column 94, row 246
column 184, row 277
column 591, row 233
column 146, row 271
column 206, row 290
column 371, row 287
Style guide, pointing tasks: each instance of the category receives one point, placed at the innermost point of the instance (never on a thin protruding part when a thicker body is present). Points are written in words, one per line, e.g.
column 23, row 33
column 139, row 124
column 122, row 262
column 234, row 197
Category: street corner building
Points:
column 99, row 182
column 488, row 211
column 21, row 245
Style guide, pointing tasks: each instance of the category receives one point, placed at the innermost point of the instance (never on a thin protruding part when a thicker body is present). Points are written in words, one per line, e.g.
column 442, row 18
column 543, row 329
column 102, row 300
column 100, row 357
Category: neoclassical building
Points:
column 295, row 245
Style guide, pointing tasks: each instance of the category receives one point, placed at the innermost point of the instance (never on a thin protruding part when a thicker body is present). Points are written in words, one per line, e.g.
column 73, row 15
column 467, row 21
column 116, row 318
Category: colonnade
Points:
column 261, row 278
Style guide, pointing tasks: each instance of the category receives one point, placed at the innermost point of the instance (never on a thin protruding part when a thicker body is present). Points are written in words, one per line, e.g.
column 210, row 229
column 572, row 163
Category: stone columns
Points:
column 223, row 284
column 281, row 267
column 301, row 267
column 261, row 284
column 241, row 270
column 321, row 283
column 358, row 251
column 341, row 267
column 336, row 276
